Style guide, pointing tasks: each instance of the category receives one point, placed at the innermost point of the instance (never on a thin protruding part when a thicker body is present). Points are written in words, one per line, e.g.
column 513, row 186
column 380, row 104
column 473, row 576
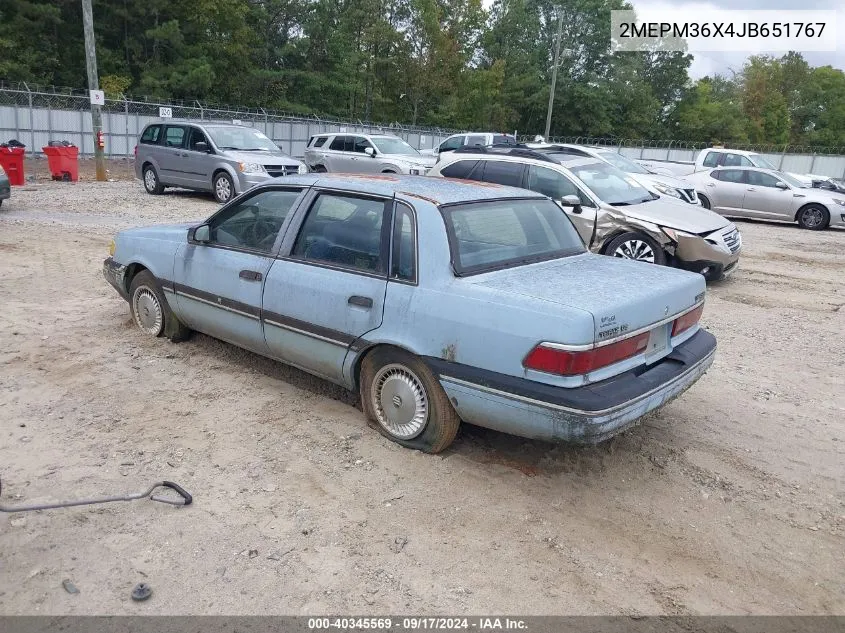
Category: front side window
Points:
column 404, row 259
column 506, row 233
column 503, row 173
column 761, row 179
column 196, row 136
column 345, row 231
column 608, row 183
column 151, row 135
column 361, row 144
column 555, row 185
column 736, row 160
column 174, row 136
column 254, row 223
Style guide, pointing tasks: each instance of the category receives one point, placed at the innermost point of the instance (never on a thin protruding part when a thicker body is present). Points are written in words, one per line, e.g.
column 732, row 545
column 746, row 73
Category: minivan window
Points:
column 151, row 135
column 506, row 233
column 174, row 136
column 503, row 173
column 196, row 136
column 244, row 139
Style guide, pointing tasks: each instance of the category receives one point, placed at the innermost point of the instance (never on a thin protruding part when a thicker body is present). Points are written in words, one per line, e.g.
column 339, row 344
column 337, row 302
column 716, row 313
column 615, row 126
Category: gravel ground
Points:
column 728, row 501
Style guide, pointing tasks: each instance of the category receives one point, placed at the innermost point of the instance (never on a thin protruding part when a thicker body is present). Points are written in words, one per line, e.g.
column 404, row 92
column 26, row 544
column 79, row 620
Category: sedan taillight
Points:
column 574, row 363
column 686, row 321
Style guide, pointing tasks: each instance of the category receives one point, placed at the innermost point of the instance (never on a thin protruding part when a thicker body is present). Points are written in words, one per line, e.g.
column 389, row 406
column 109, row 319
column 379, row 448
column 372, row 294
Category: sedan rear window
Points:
column 498, row 234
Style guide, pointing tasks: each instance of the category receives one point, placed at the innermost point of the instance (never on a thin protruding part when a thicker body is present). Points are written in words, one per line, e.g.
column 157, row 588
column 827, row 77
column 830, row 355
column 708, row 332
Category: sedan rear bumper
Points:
column 584, row 415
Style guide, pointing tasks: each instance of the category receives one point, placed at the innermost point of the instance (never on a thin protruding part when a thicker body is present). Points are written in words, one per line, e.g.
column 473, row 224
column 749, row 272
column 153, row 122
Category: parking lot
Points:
column 731, row 500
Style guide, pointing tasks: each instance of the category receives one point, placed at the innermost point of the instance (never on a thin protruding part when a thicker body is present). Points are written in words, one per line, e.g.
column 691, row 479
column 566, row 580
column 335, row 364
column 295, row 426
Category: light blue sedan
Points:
column 438, row 300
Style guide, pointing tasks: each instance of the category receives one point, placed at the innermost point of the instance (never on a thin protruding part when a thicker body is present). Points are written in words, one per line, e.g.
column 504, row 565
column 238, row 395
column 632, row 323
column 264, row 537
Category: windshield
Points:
column 506, row 233
column 610, row 184
column 241, row 138
column 393, row 146
column 790, row 180
column 624, row 163
column 759, row 161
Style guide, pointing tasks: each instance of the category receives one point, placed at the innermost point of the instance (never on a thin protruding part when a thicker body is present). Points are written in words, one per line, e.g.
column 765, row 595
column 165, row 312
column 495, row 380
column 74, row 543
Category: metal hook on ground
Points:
column 184, row 499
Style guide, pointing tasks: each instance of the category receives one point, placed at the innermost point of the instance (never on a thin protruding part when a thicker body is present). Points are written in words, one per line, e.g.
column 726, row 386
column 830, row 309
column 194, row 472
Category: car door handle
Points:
column 363, row 302
column 250, row 275
column 711, row 184
column 751, row 189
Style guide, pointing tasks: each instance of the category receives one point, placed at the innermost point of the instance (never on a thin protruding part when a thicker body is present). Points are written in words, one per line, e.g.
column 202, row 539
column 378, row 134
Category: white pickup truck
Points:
column 719, row 157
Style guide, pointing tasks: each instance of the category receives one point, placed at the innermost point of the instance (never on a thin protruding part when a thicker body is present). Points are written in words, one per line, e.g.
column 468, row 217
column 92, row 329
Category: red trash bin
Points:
column 12, row 160
column 63, row 162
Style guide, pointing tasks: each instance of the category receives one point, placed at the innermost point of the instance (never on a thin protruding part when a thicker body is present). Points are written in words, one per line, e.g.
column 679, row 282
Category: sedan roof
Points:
column 435, row 190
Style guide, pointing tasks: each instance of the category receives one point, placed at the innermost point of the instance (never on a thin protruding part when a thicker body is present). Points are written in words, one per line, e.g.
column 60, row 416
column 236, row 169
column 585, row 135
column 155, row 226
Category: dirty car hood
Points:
column 618, row 293
column 676, row 215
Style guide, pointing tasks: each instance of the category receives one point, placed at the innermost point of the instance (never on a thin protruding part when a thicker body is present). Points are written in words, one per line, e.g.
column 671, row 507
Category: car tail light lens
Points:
column 574, row 363
column 686, row 321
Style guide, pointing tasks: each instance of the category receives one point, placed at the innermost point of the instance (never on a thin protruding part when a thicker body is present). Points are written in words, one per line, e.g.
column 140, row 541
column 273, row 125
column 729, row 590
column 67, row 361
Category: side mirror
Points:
column 781, row 185
column 202, row 234
column 202, row 146
column 572, row 201
column 369, row 151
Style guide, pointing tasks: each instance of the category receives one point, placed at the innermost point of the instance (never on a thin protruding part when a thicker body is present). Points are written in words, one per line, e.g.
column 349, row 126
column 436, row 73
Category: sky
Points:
column 724, row 62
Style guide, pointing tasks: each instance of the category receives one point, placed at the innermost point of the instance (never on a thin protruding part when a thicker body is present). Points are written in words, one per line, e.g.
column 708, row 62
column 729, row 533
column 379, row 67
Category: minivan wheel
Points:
column 151, row 182
column 636, row 246
column 224, row 188
column 405, row 402
column 813, row 217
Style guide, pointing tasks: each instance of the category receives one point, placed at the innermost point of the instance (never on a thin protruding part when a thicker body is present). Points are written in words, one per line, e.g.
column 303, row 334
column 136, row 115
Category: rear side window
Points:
column 732, row 175
column 151, row 135
column 711, row 160
column 736, row 160
column 503, row 139
column 505, row 233
column 503, row 173
column 345, row 231
column 320, row 141
column 476, row 140
column 174, row 136
column 555, row 185
column 459, row 169
column 404, row 261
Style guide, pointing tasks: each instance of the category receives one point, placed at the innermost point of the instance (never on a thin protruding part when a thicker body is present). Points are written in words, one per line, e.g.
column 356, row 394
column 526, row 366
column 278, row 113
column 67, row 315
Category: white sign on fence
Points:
column 98, row 97
column 165, row 113
column 236, row 121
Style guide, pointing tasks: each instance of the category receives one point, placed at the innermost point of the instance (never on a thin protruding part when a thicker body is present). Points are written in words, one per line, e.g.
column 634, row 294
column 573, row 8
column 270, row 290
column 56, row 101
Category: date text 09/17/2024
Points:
column 417, row 624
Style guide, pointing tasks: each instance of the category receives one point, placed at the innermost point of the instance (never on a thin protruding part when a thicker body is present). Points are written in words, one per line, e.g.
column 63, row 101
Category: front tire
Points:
column 813, row 217
column 223, row 187
column 705, row 201
column 636, row 246
column 150, row 310
column 403, row 400
column 151, row 182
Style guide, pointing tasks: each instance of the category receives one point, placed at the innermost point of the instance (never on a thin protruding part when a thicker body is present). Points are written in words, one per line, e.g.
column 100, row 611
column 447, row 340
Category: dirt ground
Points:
column 728, row 501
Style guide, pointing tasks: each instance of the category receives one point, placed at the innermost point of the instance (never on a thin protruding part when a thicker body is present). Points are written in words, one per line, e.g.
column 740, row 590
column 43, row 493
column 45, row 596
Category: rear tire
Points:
column 151, row 182
column 223, row 187
column 150, row 309
column 404, row 401
column 813, row 217
column 705, row 201
column 636, row 246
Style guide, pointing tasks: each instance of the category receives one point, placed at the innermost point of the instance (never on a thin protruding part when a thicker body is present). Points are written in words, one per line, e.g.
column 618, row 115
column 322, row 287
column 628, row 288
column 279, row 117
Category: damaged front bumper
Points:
column 715, row 255
column 115, row 274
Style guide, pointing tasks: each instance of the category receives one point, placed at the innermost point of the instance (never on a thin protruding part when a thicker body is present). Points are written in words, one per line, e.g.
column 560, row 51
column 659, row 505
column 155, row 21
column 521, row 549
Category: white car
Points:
column 768, row 194
column 364, row 153
column 469, row 139
column 660, row 184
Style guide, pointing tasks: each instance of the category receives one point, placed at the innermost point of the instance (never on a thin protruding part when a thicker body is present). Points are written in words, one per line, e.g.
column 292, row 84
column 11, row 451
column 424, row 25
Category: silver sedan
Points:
column 768, row 194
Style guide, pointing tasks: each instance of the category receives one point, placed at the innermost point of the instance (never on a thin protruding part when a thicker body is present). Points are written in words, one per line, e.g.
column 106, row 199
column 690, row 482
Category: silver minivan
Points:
column 224, row 159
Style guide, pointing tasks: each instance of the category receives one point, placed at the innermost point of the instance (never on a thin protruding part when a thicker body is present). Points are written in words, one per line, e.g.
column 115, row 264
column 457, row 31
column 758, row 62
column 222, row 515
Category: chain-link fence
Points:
column 35, row 116
column 802, row 159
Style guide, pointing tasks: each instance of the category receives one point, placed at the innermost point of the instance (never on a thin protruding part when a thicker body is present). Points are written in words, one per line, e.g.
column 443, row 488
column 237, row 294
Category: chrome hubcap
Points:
column 150, row 179
column 223, row 188
column 147, row 311
column 635, row 249
column 812, row 217
column 401, row 405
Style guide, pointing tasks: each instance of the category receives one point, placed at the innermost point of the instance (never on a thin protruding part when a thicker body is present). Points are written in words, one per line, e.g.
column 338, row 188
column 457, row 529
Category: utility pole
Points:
column 93, row 84
column 554, row 72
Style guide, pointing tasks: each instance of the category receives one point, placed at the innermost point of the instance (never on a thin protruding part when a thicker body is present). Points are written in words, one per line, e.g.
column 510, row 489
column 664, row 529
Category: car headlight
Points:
column 416, row 171
column 674, row 234
column 302, row 169
column 841, row 203
column 669, row 191
column 252, row 168
column 112, row 246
